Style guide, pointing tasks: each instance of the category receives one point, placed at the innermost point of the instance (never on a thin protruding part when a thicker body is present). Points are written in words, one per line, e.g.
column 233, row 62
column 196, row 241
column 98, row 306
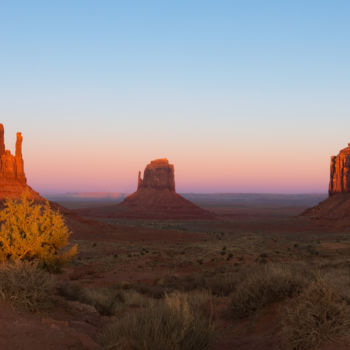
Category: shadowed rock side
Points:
column 155, row 198
column 335, row 210
column 13, row 181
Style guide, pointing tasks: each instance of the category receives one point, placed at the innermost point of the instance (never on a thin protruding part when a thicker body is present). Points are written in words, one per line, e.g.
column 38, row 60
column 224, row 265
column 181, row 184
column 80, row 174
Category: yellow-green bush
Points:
column 33, row 231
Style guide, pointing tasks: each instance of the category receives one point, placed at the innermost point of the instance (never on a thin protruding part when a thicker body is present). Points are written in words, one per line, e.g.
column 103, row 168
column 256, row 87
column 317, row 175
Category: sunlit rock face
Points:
column 13, row 181
column 340, row 172
column 158, row 175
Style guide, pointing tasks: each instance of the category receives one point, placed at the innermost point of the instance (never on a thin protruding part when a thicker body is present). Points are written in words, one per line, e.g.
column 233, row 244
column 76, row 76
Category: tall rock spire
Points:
column 2, row 140
column 139, row 181
column 13, row 181
column 19, row 145
column 19, row 159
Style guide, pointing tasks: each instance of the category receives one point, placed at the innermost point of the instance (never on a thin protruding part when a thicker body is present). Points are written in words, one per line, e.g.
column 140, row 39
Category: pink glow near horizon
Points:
column 246, row 173
column 64, row 160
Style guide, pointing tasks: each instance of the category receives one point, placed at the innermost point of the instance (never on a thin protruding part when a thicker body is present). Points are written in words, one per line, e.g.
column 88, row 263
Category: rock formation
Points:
column 340, row 172
column 335, row 210
column 158, row 175
column 13, row 181
column 155, row 198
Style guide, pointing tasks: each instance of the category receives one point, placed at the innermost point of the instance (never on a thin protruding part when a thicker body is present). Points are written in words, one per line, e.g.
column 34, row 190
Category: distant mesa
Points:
column 13, row 181
column 336, row 208
column 155, row 198
column 158, row 175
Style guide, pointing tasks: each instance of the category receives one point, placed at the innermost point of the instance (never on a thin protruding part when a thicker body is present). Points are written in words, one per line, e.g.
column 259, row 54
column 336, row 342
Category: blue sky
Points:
column 208, row 84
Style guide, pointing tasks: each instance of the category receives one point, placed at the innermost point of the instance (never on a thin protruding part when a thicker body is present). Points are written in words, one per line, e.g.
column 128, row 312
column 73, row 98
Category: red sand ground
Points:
column 79, row 327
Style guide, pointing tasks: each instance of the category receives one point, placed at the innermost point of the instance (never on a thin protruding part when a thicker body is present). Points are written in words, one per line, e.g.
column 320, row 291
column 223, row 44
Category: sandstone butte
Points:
column 155, row 198
column 13, row 181
column 335, row 210
column 340, row 172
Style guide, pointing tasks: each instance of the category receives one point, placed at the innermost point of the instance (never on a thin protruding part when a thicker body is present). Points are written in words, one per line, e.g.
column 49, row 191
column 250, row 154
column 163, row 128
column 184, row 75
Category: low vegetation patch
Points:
column 317, row 315
column 26, row 286
column 263, row 286
column 106, row 301
column 174, row 323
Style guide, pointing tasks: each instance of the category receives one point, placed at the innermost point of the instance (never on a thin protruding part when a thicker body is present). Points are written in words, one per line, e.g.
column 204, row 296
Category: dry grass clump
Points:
column 316, row 316
column 174, row 323
column 26, row 286
column 263, row 286
column 106, row 301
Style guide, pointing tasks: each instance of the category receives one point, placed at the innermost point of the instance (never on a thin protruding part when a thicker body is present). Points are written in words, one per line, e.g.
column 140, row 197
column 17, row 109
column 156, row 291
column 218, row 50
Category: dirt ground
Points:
column 143, row 255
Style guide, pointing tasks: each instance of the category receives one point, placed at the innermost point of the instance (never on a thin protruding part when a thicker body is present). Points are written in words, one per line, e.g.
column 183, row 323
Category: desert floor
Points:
column 123, row 265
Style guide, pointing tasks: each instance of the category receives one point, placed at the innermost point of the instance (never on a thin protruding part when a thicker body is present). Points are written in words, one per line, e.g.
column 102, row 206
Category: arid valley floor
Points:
column 123, row 265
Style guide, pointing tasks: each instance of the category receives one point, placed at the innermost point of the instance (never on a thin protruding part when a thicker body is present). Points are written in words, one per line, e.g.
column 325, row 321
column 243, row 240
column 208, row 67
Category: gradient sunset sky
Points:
column 241, row 96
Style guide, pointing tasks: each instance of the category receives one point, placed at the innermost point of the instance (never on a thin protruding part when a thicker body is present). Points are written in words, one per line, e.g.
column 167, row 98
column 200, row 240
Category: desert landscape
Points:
column 174, row 175
column 154, row 270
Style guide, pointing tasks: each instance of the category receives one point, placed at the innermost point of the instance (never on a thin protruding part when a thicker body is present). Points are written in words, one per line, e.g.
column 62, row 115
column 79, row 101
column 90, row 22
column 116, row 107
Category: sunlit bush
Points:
column 32, row 231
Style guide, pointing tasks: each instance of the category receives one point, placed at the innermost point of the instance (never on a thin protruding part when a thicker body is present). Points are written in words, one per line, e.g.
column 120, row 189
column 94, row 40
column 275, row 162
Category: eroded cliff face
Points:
column 158, row 175
column 13, row 181
column 340, row 172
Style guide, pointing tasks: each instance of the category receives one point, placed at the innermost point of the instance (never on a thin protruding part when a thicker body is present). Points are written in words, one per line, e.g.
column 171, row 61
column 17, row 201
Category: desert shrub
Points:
column 316, row 316
column 263, row 286
column 174, row 323
column 70, row 291
column 26, row 286
column 31, row 231
column 105, row 300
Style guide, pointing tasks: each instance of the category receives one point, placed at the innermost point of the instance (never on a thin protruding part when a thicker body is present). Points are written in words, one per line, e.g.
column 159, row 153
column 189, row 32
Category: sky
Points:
column 241, row 96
